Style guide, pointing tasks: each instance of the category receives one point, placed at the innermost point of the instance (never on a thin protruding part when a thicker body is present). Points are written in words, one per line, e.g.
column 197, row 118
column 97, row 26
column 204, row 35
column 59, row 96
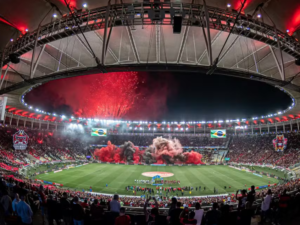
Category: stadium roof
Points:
column 138, row 35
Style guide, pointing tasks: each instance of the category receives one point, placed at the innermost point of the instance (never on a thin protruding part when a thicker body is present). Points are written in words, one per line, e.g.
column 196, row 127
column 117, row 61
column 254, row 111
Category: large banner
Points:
column 20, row 140
column 3, row 101
column 218, row 133
column 99, row 132
column 280, row 143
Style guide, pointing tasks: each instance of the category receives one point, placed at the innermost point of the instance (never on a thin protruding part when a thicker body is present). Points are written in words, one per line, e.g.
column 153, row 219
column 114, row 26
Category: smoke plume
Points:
column 162, row 151
column 127, row 151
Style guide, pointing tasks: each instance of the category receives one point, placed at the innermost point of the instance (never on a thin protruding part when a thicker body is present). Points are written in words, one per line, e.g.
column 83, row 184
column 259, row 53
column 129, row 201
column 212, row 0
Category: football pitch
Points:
column 118, row 177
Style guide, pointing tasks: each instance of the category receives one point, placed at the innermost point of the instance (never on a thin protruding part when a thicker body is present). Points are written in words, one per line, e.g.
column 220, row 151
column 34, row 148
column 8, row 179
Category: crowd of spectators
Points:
column 46, row 146
column 43, row 146
column 259, row 149
column 21, row 198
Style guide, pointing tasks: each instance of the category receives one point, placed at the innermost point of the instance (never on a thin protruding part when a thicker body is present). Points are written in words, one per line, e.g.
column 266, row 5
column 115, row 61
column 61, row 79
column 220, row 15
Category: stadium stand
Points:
column 45, row 146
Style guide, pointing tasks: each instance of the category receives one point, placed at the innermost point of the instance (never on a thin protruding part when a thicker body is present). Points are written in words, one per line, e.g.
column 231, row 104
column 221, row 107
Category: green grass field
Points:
column 277, row 173
column 119, row 176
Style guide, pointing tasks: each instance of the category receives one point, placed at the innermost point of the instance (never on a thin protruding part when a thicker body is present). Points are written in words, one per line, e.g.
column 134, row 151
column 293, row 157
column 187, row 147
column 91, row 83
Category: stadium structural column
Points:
column 31, row 124
column 11, row 118
column 56, row 126
column 235, row 130
column 18, row 121
column 252, row 128
column 276, row 127
column 24, row 122
column 47, row 125
column 283, row 128
column 268, row 128
column 297, row 125
column 259, row 128
column 40, row 124
column 4, row 118
column 291, row 125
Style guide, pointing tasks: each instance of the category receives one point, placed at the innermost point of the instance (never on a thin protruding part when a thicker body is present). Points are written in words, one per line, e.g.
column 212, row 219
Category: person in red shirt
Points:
column 123, row 219
column 190, row 220
column 84, row 204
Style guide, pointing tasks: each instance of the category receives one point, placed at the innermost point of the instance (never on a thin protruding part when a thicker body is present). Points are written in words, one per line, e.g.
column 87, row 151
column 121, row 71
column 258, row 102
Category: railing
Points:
column 138, row 14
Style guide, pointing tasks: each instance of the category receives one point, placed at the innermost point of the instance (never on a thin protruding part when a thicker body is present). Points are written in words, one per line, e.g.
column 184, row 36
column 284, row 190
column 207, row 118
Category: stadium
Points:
column 139, row 112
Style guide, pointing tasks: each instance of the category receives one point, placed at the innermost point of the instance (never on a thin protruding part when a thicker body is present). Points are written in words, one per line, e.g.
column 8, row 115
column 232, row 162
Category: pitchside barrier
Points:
column 144, row 164
column 241, row 167
column 144, row 196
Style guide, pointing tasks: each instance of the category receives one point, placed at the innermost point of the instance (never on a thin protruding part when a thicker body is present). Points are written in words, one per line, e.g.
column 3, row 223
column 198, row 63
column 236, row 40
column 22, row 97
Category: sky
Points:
column 168, row 97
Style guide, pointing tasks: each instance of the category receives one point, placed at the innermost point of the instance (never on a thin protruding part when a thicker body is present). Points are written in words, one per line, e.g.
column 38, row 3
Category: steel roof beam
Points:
column 37, row 61
column 133, row 45
column 108, row 48
column 71, row 57
column 247, row 56
column 280, row 67
column 56, row 29
column 206, row 50
column 4, row 75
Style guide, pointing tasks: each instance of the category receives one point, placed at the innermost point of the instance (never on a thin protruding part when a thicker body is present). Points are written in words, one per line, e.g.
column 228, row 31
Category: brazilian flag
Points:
column 218, row 133
column 99, row 132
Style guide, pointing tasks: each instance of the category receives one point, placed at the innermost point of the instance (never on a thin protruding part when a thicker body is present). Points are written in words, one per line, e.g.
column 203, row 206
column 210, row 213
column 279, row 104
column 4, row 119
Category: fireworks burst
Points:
column 111, row 96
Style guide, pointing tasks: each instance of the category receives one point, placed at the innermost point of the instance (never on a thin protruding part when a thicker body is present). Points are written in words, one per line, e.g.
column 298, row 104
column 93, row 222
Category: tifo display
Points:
column 280, row 143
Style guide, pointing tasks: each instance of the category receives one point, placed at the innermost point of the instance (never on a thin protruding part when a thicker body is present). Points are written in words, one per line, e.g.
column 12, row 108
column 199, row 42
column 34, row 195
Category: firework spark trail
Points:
column 112, row 96
column 126, row 95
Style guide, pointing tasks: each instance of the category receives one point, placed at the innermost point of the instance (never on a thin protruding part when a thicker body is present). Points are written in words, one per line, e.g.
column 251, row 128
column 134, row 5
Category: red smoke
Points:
column 137, row 155
column 193, row 158
column 106, row 154
column 111, row 153
column 117, row 156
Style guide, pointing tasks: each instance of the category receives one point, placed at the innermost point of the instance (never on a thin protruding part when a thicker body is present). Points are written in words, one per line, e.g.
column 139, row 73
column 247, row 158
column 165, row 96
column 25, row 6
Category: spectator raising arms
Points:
column 152, row 217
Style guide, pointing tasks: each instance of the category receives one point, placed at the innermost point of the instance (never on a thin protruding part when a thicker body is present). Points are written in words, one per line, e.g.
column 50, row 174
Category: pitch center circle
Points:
column 161, row 174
